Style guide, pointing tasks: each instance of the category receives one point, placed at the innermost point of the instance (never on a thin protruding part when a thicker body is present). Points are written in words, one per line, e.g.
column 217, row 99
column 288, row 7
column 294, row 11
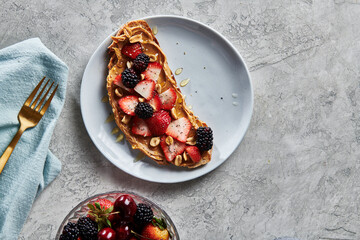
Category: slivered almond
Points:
column 136, row 38
column 173, row 113
column 126, row 119
column 178, row 160
column 118, row 92
column 142, row 76
column 153, row 57
column 141, row 99
column 158, row 88
column 127, row 32
column 190, row 141
column 185, row 157
column 169, row 140
column 129, row 64
column 155, row 141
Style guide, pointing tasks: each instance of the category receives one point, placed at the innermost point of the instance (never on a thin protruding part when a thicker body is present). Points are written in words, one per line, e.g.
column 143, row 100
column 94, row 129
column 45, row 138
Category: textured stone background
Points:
column 296, row 173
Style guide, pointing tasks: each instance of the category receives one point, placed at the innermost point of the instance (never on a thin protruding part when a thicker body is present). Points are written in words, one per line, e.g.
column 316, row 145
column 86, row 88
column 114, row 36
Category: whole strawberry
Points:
column 100, row 211
column 154, row 232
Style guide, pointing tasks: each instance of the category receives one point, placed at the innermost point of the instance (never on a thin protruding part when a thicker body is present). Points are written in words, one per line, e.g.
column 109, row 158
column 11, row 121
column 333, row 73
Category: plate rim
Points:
column 223, row 38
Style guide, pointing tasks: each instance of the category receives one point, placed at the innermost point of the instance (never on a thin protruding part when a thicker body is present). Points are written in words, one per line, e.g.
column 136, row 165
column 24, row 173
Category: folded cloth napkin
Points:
column 31, row 167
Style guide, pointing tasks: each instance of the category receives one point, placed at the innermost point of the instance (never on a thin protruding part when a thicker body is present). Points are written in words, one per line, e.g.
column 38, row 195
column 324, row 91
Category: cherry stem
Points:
column 139, row 235
column 108, row 214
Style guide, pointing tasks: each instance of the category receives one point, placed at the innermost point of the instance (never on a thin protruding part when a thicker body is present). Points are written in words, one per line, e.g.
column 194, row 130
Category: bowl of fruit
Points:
column 117, row 216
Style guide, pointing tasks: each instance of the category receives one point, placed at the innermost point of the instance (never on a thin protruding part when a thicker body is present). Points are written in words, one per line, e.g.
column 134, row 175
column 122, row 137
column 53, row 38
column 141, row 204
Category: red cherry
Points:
column 123, row 232
column 107, row 234
column 125, row 205
column 114, row 218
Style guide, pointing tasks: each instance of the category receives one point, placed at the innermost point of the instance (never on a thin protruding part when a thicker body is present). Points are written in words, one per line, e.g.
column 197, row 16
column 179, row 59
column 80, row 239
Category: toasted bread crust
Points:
column 139, row 31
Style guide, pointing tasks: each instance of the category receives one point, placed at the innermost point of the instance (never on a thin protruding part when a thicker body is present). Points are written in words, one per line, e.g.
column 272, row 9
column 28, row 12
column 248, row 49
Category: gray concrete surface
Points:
column 296, row 173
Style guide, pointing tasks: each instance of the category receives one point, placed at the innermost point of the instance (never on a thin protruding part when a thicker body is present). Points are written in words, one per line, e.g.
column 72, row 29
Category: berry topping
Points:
column 146, row 89
column 128, row 104
column 144, row 110
column 143, row 214
column 70, row 232
column 168, row 99
column 171, row 151
column 155, row 102
column 194, row 153
column 153, row 70
column 107, row 234
column 129, row 78
column 179, row 129
column 131, row 50
column 159, row 122
column 118, row 82
column 88, row 229
column 140, row 127
column 204, row 139
column 155, row 231
column 141, row 62
column 125, row 205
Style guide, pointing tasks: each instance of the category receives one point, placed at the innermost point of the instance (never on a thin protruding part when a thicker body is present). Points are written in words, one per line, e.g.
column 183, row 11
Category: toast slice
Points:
column 167, row 135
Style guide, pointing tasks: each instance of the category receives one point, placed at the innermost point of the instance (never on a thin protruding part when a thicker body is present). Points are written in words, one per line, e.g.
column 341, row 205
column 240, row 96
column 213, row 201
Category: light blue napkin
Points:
column 31, row 166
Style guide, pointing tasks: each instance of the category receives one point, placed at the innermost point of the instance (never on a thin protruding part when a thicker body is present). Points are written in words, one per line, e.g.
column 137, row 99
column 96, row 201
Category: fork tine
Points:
column 43, row 99
column 47, row 103
column 39, row 95
column 33, row 93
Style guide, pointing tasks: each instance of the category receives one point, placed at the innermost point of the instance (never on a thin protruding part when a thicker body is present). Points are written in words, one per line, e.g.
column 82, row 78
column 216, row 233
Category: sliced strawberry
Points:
column 159, row 122
column 179, row 129
column 168, row 99
column 194, row 153
column 145, row 88
column 171, row 151
column 131, row 50
column 155, row 102
column 118, row 82
column 152, row 71
column 140, row 127
column 128, row 104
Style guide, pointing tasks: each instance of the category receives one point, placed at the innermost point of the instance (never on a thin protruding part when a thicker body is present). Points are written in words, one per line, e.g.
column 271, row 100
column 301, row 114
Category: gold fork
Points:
column 29, row 116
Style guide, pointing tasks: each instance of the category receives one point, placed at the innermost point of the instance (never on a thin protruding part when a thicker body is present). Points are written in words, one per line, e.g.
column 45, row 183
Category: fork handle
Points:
column 5, row 157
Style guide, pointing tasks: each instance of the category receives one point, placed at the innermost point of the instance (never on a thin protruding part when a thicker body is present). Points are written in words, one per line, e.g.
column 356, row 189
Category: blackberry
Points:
column 141, row 62
column 144, row 110
column 88, row 229
column 70, row 232
column 204, row 140
column 143, row 215
column 129, row 78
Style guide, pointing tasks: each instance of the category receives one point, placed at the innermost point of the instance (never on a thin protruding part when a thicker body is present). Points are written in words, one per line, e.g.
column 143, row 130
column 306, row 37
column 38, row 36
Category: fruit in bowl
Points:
column 117, row 216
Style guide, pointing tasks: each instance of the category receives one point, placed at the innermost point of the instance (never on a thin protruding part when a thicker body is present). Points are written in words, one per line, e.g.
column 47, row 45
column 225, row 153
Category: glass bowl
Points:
column 81, row 210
